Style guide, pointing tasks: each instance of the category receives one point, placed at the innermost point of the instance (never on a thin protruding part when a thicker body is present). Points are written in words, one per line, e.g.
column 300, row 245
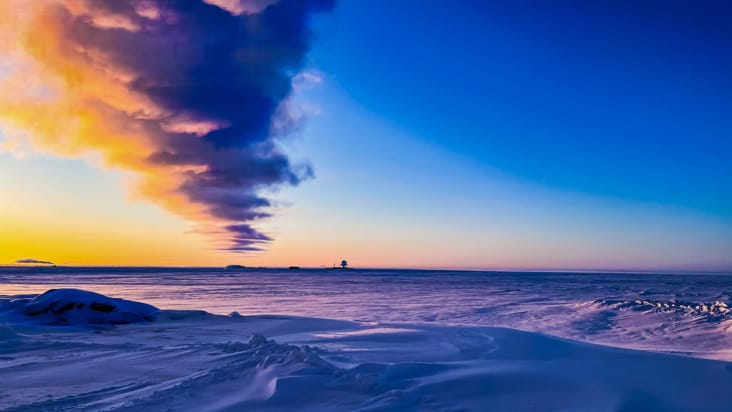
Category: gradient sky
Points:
column 509, row 135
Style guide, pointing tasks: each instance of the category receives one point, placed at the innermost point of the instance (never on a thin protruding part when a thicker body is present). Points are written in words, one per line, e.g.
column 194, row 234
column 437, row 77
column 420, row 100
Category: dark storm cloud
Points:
column 208, row 84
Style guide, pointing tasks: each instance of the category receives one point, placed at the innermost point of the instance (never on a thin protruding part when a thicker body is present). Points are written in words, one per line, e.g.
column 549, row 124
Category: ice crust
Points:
column 196, row 361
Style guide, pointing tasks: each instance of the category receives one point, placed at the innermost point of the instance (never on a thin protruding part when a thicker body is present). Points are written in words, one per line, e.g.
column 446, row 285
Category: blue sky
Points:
column 500, row 135
column 623, row 99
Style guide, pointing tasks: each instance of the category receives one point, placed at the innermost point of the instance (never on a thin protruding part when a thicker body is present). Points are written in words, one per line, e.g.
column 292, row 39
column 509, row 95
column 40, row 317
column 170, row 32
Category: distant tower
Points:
column 344, row 264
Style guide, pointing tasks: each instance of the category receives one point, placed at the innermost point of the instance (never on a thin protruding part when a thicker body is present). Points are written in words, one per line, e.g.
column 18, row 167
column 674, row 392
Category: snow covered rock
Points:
column 77, row 307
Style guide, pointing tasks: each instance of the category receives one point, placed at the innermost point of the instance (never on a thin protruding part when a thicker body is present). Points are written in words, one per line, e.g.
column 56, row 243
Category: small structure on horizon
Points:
column 342, row 266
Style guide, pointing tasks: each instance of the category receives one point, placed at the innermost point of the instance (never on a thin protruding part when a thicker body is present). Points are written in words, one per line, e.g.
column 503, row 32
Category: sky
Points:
column 428, row 134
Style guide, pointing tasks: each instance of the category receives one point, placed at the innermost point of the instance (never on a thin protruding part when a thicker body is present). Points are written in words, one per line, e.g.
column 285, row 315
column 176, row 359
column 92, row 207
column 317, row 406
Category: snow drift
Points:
column 195, row 361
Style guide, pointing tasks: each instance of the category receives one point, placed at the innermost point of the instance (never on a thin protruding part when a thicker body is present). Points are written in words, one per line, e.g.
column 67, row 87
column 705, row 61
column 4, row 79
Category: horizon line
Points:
column 440, row 269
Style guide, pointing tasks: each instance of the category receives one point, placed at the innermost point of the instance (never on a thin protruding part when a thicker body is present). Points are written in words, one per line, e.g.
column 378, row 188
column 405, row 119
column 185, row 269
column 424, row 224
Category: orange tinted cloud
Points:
column 183, row 94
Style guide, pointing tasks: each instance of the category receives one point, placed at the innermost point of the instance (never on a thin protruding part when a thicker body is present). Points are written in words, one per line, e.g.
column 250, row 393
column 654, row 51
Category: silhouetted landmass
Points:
column 35, row 262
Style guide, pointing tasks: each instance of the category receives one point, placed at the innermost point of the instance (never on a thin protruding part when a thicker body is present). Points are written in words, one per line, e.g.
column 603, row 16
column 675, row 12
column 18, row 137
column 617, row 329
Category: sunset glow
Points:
column 128, row 137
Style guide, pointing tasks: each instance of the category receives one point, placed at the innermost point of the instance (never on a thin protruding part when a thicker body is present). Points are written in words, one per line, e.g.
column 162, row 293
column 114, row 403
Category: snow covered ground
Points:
column 687, row 314
column 111, row 354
